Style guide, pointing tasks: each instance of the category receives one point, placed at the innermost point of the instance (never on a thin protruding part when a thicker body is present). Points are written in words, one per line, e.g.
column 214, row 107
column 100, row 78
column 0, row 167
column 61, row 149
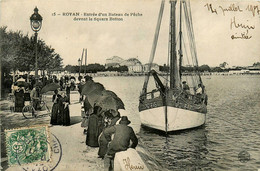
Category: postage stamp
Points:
column 28, row 145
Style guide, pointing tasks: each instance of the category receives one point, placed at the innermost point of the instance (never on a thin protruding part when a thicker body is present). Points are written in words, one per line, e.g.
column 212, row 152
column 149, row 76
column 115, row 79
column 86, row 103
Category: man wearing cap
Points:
column 121, row 141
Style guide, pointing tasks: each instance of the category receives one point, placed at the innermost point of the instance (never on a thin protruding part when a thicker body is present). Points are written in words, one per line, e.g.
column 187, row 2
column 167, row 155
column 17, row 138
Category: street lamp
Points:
column 79, row 62
column 36, row 24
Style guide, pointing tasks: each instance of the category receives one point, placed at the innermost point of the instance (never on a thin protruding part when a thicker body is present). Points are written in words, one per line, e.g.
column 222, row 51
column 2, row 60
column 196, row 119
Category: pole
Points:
column 36, row 58
column 180, row 33
column 81, row 62
column 85, row 61
column 173, row 58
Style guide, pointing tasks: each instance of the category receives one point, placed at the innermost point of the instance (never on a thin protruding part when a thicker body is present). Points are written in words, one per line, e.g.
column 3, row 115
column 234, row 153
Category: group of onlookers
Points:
column 104, row 129
column 29, row 89
column 108, row 131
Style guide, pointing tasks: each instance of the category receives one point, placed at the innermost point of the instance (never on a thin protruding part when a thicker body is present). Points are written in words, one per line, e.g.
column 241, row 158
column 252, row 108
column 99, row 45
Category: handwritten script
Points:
column 129, row 166
column 241, row 27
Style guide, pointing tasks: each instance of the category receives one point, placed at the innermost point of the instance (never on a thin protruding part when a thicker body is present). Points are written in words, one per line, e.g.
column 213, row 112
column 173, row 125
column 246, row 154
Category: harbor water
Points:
column 229, row 140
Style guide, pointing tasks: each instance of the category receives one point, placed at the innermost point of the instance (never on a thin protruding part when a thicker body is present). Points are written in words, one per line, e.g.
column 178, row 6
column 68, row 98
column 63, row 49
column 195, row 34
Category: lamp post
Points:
column 79, row 62
column 36, row 24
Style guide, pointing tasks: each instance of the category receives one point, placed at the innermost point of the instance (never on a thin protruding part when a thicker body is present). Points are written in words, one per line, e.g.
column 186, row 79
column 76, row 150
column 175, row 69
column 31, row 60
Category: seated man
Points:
column 199, row 90
column 201, row 96
column 121, row 141
column 186, row 89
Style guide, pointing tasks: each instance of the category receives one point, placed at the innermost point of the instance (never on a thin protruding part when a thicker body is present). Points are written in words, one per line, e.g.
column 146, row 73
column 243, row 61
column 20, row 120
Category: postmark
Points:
column 27, row 145
column 56, row 155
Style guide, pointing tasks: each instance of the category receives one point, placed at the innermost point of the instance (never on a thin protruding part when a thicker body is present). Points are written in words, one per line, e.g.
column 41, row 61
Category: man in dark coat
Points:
column 121, row 141
column 103, row 142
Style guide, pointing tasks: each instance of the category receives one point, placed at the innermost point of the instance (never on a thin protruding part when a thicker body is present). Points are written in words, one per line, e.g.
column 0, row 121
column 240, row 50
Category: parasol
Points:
column 109, row 103
column 91, row 86
column 120, row 103
column 93, row 96
column 23, row 84
column 96, row 94
column 20, row 80
column 108, row 93
column 50, row 87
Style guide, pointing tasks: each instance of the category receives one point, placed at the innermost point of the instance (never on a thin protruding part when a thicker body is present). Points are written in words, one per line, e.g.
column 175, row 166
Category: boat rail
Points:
column 177, row 95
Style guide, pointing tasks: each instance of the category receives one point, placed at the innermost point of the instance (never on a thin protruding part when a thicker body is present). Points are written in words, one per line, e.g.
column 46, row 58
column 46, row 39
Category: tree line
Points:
column 94, row 68
column 18, row 53
column 202, row 68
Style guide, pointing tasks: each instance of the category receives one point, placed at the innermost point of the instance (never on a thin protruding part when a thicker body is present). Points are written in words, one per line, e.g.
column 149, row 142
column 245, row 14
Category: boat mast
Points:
column 174, row 72
column 155, row 40
column 180, row 34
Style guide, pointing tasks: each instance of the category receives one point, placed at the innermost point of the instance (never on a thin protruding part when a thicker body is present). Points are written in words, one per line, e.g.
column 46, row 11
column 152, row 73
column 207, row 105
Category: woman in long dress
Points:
column 94, row 127
column 64, row 110
column 19, row 99
column 55, row 108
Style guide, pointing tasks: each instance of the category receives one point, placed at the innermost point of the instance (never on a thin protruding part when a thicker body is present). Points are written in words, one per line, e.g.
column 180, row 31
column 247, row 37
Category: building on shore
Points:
column 133, row 65
column 153, row 66
column 114, row 61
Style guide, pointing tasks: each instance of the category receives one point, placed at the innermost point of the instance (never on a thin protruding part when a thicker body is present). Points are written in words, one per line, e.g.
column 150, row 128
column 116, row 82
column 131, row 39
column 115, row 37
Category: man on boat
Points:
column 199, row 90
column 186, row 89
column 121, row 141
column 201, row 96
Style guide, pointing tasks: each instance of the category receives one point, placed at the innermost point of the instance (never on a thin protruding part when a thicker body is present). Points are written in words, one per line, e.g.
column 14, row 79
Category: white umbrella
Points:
column 21, row 79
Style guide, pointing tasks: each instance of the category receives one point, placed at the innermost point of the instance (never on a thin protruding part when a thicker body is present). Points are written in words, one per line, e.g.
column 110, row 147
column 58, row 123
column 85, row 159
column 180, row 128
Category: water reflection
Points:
column 178, row 150
column 232, row 125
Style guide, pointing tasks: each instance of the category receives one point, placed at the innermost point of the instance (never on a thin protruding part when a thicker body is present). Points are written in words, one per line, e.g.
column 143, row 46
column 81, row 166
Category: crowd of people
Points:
column 108, row 131
column 26, row 88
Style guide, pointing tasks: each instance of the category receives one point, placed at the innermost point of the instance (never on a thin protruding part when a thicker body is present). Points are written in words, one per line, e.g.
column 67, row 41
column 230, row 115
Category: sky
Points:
column 133, row 37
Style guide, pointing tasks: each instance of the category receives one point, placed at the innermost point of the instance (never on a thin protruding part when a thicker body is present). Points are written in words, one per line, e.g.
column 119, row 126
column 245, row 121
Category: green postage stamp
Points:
column 27, row 145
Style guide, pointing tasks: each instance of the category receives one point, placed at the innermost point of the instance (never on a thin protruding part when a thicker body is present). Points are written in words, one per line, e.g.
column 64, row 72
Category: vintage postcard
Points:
column 130, row 85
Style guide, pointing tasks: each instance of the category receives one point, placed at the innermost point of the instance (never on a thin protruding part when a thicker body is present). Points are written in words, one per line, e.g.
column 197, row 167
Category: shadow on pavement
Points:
column 75, row 120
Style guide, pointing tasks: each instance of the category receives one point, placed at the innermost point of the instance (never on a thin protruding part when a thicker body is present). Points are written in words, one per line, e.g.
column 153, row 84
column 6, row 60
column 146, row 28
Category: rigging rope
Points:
column 192, row 78
column 157, row 31
column 191, row 38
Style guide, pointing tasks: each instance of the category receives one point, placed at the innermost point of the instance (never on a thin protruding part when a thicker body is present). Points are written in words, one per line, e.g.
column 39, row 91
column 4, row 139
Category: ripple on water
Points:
column 232, row 125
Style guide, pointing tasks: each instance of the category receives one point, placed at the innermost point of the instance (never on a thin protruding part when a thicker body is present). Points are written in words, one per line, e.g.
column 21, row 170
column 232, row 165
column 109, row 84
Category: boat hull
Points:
column 178, row 119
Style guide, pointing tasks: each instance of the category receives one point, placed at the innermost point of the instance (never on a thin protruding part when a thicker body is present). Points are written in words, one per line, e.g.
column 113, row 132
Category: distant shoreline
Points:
column 164, row 74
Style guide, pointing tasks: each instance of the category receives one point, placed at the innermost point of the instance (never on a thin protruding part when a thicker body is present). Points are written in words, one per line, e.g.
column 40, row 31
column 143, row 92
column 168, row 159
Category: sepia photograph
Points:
column 120, row 85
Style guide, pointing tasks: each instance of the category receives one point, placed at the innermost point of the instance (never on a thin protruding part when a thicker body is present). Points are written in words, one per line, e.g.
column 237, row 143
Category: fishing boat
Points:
column 179, row 100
